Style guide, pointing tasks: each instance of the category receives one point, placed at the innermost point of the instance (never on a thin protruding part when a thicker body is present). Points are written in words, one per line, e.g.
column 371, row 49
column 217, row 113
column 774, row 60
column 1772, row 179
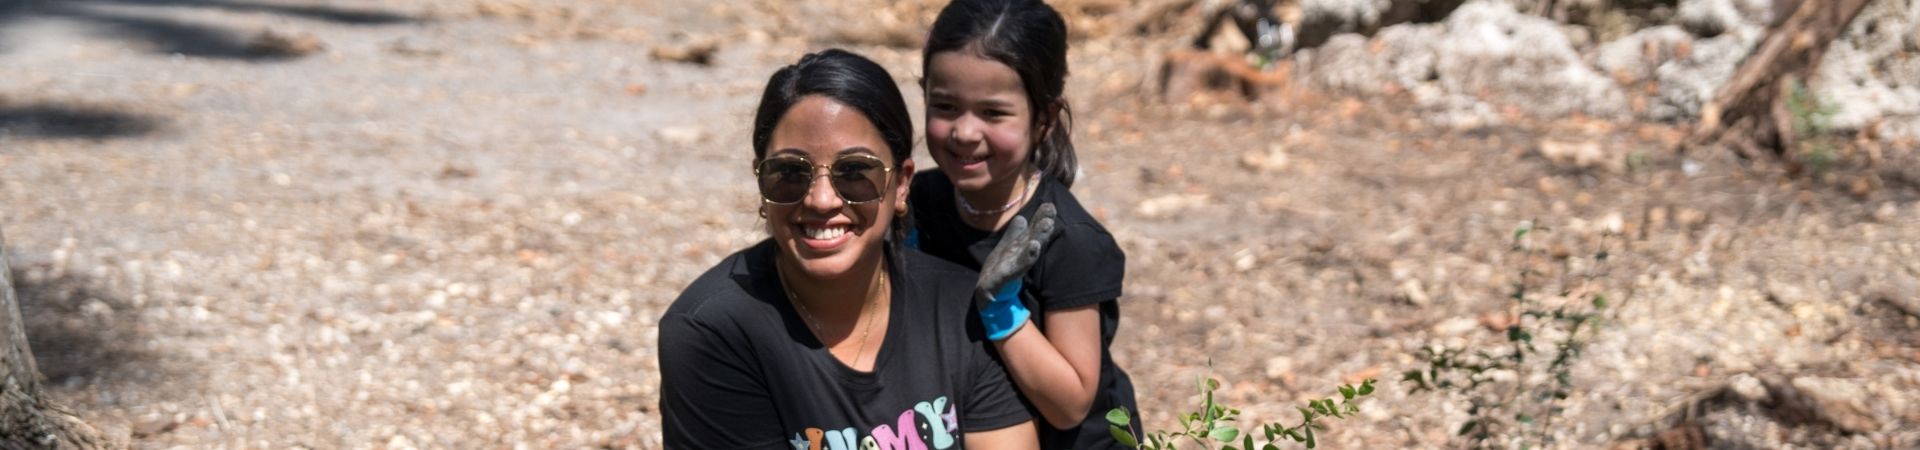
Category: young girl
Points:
column 998, row 128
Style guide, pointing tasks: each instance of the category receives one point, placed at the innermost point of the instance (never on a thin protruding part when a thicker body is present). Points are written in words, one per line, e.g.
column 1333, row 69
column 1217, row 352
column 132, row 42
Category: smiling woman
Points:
column 828, row 335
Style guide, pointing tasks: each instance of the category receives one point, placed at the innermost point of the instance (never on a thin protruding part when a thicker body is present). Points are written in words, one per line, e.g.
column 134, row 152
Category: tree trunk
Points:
column 28, row 420
column 1749, row 113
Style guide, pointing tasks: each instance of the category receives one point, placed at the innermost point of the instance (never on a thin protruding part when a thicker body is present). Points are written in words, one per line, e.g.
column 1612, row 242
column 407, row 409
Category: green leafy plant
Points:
column 1504, row 405
column 1812, row 119
column 1212, row 427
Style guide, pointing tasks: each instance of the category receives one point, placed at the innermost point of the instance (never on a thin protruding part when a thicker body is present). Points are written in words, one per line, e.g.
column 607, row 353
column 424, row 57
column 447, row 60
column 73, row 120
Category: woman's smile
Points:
column 823, row 236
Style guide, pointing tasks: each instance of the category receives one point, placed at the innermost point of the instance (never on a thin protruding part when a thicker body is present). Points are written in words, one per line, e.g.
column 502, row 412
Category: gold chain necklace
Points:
column 872, row 290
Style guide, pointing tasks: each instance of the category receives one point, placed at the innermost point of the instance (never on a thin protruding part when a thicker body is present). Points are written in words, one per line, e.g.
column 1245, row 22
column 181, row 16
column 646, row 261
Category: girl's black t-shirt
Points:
column 1081, row 266
column 740, row 370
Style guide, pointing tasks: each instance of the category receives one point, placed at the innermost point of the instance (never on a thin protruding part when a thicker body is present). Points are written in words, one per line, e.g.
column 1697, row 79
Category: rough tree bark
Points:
column 27, row 419
column 1749, row 114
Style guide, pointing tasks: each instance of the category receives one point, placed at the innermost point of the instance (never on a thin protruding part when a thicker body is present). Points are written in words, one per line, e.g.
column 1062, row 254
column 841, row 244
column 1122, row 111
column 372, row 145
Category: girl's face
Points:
column 822, row 235
column 979, row 126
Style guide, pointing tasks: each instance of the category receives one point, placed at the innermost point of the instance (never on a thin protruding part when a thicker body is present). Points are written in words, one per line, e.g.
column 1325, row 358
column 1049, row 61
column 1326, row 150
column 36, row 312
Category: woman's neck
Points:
column 836, row 301
column 999, row 201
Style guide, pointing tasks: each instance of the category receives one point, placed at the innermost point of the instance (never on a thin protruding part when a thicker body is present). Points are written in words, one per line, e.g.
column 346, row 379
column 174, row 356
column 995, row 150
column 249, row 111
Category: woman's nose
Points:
column 820, row 193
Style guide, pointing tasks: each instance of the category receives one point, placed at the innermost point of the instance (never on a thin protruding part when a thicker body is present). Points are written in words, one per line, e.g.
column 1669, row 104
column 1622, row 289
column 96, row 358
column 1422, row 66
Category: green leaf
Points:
column 1123, row 436
column 1224, row 434
column 1310, row 441
column 1270, row 446
column 1523, row 418
column 1348, row 392
column 1467, row 428
column 1602, row 256
column 1366, row 388
column 1295, row 436
column 1246, row 441
column 1599, row 301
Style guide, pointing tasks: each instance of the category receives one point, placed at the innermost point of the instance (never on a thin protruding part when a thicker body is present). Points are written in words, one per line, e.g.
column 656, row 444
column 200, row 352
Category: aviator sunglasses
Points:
column 857, row 178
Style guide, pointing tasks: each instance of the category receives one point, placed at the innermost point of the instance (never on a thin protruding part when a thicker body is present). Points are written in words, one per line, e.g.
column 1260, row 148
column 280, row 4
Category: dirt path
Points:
column 454, row 226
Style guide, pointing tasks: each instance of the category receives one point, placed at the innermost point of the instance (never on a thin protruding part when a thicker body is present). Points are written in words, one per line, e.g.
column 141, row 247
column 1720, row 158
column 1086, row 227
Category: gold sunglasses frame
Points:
column 886, row 173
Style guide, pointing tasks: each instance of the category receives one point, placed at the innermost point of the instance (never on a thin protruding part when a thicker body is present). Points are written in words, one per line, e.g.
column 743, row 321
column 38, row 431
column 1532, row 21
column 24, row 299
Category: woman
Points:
column 827, row 335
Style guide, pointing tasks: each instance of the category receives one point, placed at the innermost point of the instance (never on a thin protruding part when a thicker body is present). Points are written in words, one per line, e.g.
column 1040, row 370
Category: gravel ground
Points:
column 453, row 224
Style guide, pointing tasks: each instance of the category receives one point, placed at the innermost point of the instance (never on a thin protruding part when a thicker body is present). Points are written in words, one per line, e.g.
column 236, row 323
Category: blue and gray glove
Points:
column 997, row 294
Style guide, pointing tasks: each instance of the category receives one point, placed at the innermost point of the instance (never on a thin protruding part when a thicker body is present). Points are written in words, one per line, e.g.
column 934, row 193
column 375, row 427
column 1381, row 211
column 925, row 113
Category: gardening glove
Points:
column 997, row 294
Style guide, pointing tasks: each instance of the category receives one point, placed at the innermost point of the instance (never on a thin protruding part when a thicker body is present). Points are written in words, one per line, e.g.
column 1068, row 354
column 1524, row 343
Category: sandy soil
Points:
column 455, row 224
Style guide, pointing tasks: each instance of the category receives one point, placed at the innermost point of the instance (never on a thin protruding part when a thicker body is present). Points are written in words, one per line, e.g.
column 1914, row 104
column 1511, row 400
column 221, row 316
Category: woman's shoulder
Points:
column 724, row 289
column 927, row 269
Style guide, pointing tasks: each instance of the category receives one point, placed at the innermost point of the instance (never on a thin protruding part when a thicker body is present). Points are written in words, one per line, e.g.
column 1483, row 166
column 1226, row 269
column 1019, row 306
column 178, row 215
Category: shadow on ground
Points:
column 80, row 334
column 51, row 121
column 165, row 35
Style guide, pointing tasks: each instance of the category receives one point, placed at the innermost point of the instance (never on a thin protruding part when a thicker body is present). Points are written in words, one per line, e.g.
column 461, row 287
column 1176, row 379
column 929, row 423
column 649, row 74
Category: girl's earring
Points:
column 763, row 211
column 903, row 211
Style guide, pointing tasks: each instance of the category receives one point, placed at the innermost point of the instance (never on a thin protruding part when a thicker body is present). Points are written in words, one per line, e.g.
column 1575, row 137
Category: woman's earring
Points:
column 763, row 211
column 903, row 211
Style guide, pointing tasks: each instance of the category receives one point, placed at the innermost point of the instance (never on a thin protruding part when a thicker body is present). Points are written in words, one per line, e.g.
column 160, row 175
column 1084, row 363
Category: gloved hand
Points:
column 997, row 294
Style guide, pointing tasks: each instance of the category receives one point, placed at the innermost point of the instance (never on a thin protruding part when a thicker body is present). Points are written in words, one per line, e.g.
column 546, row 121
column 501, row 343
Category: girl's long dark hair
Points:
column 848, row 79
column 1031, row 38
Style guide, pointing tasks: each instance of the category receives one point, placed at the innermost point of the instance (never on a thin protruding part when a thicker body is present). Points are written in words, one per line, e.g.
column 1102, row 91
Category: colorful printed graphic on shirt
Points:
column 928, row 426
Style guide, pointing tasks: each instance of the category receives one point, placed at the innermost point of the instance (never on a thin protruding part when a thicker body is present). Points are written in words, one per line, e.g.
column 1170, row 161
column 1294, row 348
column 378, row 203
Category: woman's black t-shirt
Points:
column 1081, row 266
column 740, row 370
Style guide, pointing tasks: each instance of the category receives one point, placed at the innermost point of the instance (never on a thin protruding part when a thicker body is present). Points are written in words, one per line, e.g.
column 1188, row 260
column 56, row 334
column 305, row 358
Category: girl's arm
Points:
column 1020, row 436
column 1058, row 370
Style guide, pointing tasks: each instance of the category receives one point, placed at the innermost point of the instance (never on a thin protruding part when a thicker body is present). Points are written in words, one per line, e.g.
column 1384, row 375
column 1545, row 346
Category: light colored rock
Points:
column 1169, row 205
column 1748, row 388
column 682, row 135
column 1343, row 64
column 1872, row 71
column 1272, row 160
column 1522, row 61
column 1279, row 367
column 1687, row 83
column 1581, row 155
column 1484, row 53
column 1456, row 326
column 1633, row 58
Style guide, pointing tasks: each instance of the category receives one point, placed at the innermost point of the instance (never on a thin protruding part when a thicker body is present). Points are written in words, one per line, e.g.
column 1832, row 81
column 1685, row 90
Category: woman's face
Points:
column 822, row 235
column 979, row 126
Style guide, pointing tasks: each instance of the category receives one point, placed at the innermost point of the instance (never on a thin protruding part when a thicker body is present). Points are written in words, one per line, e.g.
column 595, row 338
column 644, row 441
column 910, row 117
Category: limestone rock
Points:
column 1523, row 61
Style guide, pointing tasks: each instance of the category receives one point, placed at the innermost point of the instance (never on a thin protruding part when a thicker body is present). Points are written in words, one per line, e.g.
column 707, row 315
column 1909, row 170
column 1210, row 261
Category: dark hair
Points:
column 848, row 79
column 1029, row 37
